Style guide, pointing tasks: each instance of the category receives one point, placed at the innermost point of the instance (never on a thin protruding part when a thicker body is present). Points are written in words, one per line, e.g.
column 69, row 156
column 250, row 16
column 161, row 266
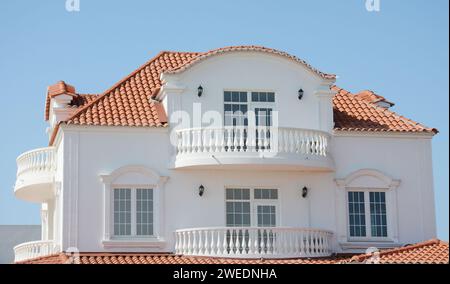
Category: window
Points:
column 367, row 214
column 133, row 212
column 357, row 218
column 378, row 214
column 236, row 107
column 238, row 207
column 251, row 207
column 122, row 212
column 237, row 104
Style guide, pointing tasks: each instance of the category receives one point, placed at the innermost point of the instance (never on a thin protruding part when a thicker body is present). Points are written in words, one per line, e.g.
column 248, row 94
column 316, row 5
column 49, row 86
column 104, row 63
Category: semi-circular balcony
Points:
column 254, row 242
column 35, row 249
column 35, row 175
column 257, row 147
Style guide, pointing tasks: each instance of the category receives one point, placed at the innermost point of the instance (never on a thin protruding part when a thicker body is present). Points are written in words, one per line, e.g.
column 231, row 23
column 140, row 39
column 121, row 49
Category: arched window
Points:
column 133, row 213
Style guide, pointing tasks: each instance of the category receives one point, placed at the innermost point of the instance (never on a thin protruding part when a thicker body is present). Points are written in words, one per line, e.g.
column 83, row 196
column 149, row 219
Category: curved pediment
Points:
column 259, row 49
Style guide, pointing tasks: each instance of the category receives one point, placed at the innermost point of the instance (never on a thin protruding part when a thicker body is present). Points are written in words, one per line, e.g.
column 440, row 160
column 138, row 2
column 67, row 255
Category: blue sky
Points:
column 401, row 52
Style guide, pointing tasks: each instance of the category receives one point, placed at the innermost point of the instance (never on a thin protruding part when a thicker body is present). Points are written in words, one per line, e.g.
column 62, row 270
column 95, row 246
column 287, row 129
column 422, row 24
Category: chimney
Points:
column 59, row 100
column 373, row 98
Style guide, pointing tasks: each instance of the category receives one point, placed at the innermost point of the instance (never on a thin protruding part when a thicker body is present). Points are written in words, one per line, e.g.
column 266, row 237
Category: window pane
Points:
column 266, row 193
column 227, row 96
column 357, row 216
column 238, row 207
column 378, row 214
column 255, row 97
column 144, row 211
column 122, row 211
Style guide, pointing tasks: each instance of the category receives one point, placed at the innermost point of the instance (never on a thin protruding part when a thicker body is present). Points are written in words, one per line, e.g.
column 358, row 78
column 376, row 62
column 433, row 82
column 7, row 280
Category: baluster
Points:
column 217, row 250
column 229, row 139
column 296, row 243
column 269, row 241
column 231, row 242
column 225, row 242
column 251, row 249
column 263, row 241
column 206, row 243
column 179, row 143
column 190, row 245
column 216, row 141
column 235, row 139
column 177, row 240
column 243, row 242
column 266, row 139
column 212, row 140
column 200, row 140
column 182, row 246
column 238, row 241
column 211, row 242
column 241, row 139
column 255, row 240
column 251, row 139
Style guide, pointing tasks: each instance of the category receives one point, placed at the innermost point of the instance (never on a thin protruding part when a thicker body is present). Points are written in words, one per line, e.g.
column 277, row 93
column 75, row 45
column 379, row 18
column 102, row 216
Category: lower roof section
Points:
column 429, row 252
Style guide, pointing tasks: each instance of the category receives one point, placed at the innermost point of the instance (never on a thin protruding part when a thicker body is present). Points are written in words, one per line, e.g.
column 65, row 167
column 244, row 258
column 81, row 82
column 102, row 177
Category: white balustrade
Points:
column 35, row 249
column 256, row 139
column 37, row 161
column 253, row 242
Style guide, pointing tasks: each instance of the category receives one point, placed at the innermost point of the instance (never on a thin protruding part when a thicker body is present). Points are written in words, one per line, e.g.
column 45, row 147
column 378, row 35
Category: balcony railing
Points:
column 35, row 174
column 34, row 249
column 36, row 161
column 254, row 242
column 256, row 139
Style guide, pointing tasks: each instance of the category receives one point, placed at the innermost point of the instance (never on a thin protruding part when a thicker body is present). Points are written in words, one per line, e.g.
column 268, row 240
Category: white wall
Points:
column 103, row 150
column 93, row 151
column 248, row 71
column 406, row 158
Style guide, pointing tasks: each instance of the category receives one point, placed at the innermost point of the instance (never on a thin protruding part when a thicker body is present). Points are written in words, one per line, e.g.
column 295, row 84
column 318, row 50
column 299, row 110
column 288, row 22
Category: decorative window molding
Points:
column 366, row 181
column 133, row 177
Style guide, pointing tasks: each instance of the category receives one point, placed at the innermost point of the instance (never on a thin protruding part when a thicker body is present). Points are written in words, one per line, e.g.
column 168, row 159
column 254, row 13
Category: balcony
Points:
column 267, row 147
column 253, row 242
column 36, row 249
column 35, row 175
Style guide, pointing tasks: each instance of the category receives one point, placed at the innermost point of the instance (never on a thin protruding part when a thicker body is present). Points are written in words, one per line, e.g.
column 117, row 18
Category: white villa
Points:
column 241, row 152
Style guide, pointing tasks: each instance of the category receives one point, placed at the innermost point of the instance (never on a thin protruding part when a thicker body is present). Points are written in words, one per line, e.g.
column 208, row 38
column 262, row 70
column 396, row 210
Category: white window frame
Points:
column 251, row 106
column 366, row 180
column 133, row 234
column 255, row 202
column 367, row 215
column 133, row 177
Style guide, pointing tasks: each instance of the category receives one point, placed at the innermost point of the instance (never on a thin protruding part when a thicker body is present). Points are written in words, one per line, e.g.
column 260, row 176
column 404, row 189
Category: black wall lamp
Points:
column 300, row 94
column 201, row 190
column 304, row 192
column 200, row 91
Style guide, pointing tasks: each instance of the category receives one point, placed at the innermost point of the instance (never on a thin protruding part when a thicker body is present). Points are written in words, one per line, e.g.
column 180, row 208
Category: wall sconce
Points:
column 300, row 94
column 200, row 91
column 201, row 190
column 304, row 192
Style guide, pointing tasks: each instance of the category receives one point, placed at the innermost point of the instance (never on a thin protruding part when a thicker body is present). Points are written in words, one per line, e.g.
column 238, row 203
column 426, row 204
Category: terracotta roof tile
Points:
column 429, row 252
column 128, row 103
column 149, row 258
column 352, row 113
column 372, row 97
